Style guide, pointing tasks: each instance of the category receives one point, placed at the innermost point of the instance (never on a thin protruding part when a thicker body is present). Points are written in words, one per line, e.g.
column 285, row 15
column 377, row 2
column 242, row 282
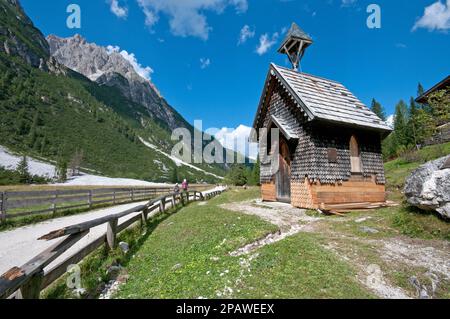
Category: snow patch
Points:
column 176, row 160
column 10, row 161
column 35, row 167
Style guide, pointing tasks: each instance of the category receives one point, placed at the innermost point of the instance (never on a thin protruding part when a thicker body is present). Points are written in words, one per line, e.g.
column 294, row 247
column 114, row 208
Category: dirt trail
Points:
column 289, row 220
column 390, row 251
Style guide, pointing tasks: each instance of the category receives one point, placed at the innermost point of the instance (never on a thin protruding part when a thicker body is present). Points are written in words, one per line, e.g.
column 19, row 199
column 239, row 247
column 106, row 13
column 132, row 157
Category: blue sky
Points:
column 200, row 67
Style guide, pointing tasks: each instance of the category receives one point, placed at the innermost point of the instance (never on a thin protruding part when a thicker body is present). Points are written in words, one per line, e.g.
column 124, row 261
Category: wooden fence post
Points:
column 174, row 201
column 114, row 197
column 162, row 205
column 3, row 198
column 132, row 195
column 90, row 198
column 55, row 198
column 32, row 289
column 144, row 216
column 111, row 233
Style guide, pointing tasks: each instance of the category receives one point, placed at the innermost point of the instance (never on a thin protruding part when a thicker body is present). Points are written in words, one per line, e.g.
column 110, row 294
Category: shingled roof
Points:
column 322, row 99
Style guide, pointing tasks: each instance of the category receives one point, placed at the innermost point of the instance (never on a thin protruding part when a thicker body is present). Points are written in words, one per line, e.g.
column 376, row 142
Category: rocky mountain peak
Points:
column 109, row 66
column 15, row 26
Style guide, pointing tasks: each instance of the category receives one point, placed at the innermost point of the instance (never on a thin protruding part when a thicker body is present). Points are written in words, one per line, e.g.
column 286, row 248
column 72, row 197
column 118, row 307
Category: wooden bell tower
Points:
column 295, row 45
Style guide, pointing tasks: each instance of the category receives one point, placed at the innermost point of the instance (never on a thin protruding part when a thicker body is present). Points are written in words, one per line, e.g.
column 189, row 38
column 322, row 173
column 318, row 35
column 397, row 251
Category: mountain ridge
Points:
column 108, row 67
column 50, row 111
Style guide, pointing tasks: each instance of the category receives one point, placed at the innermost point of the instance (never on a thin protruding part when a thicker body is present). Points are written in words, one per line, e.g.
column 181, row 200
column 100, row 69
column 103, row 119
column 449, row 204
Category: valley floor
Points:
column 235, row 246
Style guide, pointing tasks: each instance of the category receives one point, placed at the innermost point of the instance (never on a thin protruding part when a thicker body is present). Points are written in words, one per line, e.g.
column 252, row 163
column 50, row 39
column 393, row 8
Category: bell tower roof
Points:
column 295, row 44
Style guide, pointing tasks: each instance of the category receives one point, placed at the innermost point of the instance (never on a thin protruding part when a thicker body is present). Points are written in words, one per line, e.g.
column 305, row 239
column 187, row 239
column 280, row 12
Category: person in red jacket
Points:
column 184, row 185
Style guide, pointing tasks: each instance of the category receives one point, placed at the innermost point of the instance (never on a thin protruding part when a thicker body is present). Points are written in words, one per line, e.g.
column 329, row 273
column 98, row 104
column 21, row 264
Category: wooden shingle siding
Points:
column 348, row 192
column 328, row 100
column 310, row 156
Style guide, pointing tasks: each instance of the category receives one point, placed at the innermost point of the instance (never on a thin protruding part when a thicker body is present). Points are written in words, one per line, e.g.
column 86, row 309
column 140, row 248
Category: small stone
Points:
column 215, row 258
column 363, row 219
column 177, row 266
column 79, row 292
column 428, row 187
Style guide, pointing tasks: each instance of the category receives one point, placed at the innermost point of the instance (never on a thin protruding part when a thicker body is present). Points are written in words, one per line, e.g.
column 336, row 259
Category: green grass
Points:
column 408, row 220
column 298, row 267
column 187, row 256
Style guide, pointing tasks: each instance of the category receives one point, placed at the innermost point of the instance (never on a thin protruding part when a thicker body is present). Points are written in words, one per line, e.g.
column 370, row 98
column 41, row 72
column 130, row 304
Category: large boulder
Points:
column 428, row 187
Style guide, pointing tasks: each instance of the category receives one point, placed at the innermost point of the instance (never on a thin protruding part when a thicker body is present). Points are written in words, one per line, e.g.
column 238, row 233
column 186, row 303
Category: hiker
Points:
column 176, row 189
column 184, row 185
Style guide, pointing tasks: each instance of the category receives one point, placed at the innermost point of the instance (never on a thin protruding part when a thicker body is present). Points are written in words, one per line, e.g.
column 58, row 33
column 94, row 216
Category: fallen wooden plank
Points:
column 17, row 277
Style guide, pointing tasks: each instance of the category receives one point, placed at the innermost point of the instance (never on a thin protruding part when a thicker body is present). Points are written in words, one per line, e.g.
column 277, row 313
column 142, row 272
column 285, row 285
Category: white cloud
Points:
column 144, row 72
column 266, row 42
column 245, row 34
column 187, row 17
column 121, row 12
column 435, row 17
column 238, row 140
column 390, row 120
column 348, row 3
column 204, row 63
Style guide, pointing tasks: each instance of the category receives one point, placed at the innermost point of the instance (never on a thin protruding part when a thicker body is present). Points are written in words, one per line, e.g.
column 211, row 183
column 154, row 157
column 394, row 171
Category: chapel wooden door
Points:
column 355, row 156
column 283, row 176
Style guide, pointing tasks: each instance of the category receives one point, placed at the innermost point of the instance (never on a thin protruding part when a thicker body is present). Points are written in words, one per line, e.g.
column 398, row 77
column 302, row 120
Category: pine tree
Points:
column 236, row 176
column 425, row 126
column 256, row 172
column 401, row 124
column 43, row 145
column 22, row 169
column 174, row 177
column 378, row 109
column 75, row 163
column 61, row 169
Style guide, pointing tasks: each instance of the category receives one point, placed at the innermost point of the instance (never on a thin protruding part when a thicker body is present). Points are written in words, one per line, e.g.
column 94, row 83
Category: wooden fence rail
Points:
column 22, row 204
column 30, row 279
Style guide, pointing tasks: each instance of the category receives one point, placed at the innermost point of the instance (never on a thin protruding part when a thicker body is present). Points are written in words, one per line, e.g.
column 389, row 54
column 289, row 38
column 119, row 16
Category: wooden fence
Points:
column 30, row 279
column 28, row 203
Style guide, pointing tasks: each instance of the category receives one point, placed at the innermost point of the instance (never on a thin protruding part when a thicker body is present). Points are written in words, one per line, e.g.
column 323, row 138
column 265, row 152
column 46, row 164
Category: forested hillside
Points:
column 52, row 112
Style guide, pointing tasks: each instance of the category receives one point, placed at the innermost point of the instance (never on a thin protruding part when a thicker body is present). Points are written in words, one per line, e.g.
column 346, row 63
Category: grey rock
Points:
column 113, row 271
column 362, row 219
column 368, row 230
column 428, row 187
column 421, row 290
column 107, row 66
column 124, row 246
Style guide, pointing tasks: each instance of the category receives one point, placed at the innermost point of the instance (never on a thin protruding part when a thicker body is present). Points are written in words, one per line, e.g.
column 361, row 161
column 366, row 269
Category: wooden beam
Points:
column 17, row 277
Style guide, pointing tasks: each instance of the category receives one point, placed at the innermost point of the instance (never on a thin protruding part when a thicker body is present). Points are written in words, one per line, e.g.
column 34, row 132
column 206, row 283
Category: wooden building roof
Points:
column 445, row 83
column 321, row 99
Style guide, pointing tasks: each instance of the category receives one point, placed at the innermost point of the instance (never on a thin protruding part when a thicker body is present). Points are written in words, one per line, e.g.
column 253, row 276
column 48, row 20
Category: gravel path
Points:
column 19, row 245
